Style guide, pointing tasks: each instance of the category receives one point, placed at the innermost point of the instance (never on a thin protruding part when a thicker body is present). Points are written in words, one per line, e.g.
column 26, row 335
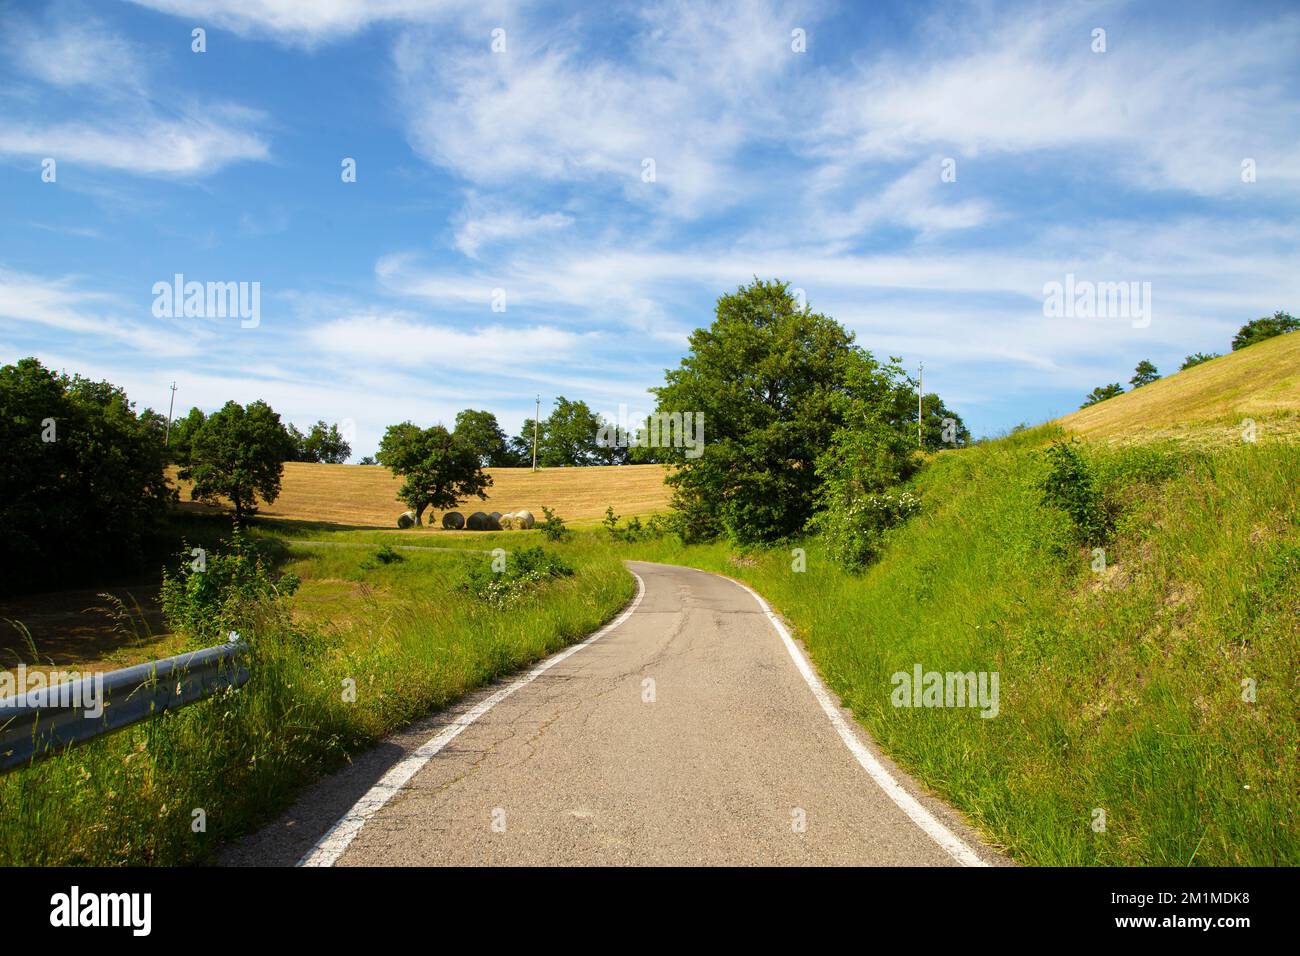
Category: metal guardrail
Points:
column 42, row 722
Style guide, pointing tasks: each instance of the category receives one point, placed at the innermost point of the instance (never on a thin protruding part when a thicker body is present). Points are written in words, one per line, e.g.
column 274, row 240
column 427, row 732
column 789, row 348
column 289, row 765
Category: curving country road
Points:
column 691, row 731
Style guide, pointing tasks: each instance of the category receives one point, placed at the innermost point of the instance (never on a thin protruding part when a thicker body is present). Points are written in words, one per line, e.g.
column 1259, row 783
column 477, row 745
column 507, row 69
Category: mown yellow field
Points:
column 1207, row 404
column 366, row 495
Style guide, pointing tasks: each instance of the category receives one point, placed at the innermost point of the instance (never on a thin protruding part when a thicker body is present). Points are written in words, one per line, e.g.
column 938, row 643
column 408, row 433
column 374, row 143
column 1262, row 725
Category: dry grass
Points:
column 365, row 496
column 1206, row 405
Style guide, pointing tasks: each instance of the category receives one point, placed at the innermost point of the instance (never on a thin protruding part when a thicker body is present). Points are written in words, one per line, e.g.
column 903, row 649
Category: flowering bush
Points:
column 521, row 571
column 854, row 527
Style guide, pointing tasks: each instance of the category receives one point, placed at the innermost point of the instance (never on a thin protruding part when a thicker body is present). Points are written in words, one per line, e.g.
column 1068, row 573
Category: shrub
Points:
column 656, row 527
column 1071, row 486
column 1197, row 358
column 853, row 527
column 216, row 592
column 523, row 570
column 385, row 555
column 553, row 527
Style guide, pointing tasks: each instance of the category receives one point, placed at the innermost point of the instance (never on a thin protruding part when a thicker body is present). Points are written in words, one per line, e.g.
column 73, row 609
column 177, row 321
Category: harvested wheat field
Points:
column 366, row 495
column 1208, row 403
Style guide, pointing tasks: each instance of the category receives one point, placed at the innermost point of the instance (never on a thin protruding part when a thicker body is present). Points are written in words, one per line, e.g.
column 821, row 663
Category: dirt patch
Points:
column 82, row 627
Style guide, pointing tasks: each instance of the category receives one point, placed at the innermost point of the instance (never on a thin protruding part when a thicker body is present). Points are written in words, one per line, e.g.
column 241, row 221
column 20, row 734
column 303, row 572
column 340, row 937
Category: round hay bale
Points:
column 406, row 520
column 523, row 519
column 507, row 521
column 478, row 521
column 453, row 521
column 494, row 520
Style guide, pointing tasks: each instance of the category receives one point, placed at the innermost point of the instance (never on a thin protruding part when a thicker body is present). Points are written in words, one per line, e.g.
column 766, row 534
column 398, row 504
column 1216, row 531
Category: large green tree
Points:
column 1257, row 330
column 439, row 470
column 480, row 431
column 324, row 443
column 239, row 454
column 568, row 436
column 777, row 384
column 82, row 478
column 941, row 427
column 180, row 440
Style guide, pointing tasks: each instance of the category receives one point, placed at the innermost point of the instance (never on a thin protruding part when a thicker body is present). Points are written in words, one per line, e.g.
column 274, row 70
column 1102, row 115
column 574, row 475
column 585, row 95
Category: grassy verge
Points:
column 399, row 632
column 1120, row 690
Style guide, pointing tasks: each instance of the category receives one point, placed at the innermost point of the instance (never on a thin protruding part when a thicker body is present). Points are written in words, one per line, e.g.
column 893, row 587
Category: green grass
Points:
column 1120, row 691
column 400, row 631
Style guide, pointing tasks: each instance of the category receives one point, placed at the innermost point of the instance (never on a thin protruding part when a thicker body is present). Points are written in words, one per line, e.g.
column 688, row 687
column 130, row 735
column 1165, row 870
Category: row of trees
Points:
column 83, row 477
column 799, row 419
column 569, row 436
column 1256, row 330
column 82, row 480
column 322, row 442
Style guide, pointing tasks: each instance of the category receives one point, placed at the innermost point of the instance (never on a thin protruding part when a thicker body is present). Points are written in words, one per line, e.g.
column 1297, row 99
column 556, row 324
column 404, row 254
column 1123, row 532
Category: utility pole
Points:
column 920, row 393
column 536, row 415
column 167, row 437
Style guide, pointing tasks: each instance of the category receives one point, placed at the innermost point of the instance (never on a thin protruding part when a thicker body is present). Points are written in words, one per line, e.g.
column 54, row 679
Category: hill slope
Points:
column 1146, row 712
column 1207, row 403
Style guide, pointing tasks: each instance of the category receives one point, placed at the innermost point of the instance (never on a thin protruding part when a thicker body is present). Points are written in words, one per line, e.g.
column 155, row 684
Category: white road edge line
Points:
column 331, row 846
column 952, row 844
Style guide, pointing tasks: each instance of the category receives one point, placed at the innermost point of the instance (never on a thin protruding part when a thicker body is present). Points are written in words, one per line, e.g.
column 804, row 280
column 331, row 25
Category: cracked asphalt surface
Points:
column 685, row 736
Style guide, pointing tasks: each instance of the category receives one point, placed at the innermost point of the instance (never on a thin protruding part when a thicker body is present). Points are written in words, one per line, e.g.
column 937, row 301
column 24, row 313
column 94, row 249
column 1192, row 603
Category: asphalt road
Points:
column 691, row 731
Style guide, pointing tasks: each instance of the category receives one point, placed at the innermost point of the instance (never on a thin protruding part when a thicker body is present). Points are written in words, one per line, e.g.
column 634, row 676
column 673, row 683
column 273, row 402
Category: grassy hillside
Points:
column 399, row 630
column 1207, row 403
column 366, row 495
column 1120, row 690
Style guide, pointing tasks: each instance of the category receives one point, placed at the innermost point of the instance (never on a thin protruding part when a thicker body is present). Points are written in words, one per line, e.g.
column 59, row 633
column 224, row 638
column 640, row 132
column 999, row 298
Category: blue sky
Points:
column 523, row 170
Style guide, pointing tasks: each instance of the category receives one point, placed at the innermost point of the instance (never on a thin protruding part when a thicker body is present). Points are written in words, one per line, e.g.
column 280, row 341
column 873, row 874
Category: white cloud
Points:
column 59, row 306
column 307, row 22
column 695, row 86
column 127, row 124
column 487, row 223
column 1177, row 112
column 71, row 51
column 401, row 339
column 145, row 145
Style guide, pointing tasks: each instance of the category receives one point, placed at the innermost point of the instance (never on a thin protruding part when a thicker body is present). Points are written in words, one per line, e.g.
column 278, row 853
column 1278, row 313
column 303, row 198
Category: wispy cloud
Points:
column 61, row 305
column 125, row 125
column 310, row 23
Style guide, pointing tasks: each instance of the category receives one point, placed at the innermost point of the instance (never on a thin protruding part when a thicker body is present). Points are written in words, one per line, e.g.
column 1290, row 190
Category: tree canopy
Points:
column 1257, row 330
column 1144, row 374
column 323, row 442
column 82, row 478
column 1101, row 393
column 790, row 402
column 1197, row 358
column 480, row 431
column 566, row 437
column 239, row 454
column 440, row 470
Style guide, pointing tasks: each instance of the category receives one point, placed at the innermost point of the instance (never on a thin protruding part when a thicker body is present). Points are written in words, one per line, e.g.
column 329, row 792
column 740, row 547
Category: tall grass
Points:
column 1121, row 690
column 399, row 632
